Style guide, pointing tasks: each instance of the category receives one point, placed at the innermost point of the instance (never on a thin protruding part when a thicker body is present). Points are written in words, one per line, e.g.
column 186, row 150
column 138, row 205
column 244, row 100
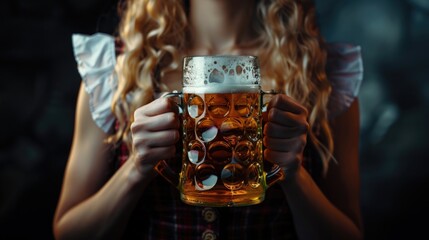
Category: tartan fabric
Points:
column 160, row 214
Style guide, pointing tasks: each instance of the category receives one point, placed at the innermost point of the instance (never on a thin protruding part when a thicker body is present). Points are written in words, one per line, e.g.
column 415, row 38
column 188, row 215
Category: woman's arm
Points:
column 332, row 211
column 92, row 204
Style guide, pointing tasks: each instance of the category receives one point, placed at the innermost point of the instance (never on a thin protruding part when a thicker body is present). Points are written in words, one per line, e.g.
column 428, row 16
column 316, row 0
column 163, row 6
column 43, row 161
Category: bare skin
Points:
column 94, row 205
column 333, row 213
column 229, row 30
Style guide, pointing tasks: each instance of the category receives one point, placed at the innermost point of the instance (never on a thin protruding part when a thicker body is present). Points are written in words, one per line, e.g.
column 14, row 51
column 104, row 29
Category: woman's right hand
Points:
column 154, row 132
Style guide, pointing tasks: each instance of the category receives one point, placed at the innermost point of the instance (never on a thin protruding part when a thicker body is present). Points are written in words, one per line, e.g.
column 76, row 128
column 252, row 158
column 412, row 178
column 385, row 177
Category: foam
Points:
column 230, row 70
column 222, row 88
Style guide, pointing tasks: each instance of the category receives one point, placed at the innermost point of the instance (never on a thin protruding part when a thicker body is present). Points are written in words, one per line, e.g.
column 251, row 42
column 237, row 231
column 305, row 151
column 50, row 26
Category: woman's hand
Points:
column 154, row 133
column 285, row 133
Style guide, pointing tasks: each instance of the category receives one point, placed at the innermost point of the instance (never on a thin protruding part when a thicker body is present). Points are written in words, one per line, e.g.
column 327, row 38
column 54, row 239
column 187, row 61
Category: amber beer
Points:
column 222, row 145
column 222, row 163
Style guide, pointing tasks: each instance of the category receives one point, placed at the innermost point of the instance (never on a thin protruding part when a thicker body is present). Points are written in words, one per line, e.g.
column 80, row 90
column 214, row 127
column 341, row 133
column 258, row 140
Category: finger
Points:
column 289, row 162
column 286, row 118
column 158, row 106
column 275, row 130
column 164, row 121
column 285, row 145
column 286, row 103
column 156, row 139
column 154, row 155
column 280, row 158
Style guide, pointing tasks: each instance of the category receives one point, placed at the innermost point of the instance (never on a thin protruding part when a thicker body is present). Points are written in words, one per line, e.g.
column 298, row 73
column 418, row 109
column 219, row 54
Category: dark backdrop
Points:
column 39, row 84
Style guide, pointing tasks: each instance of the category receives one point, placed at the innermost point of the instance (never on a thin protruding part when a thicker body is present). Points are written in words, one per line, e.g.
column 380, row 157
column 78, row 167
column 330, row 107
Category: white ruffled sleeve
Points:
column 95, row 57
column 345, row 72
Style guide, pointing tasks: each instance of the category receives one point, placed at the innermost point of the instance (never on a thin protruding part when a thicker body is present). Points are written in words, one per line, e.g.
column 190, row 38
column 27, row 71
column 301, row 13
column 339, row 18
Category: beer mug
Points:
column 222, row 163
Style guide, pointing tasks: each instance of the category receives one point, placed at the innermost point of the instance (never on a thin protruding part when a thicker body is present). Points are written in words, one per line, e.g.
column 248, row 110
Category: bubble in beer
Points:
column 258, row 149
column 220, row 152
column 217, row 105
column 195, row 106
column 243, row 105
column 231, row 130
column 232, row 176
column 205, row 177
column 196, row 151
column 244, row 152
column 216, row 76
column 251, row 129
column 254, row 173
column 206, row 130
column 189, row 170
column 188, row 129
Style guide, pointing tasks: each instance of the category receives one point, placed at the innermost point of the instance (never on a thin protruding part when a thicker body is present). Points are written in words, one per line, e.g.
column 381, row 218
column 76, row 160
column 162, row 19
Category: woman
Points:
column 319, row 197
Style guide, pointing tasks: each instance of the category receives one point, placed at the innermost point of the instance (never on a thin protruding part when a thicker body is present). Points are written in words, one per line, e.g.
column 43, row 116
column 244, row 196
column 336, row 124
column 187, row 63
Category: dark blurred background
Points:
column 39, row 84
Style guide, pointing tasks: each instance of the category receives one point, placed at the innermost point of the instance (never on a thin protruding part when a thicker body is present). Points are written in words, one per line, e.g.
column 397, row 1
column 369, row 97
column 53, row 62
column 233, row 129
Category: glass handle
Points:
column 275, row 174
column 264, row 103
column 167, row 173
column 162, row 167
column 178, row 95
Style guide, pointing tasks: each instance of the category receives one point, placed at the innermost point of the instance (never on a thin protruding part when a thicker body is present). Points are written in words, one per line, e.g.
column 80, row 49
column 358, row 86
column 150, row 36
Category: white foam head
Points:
column 222, row 89
column 210, row 71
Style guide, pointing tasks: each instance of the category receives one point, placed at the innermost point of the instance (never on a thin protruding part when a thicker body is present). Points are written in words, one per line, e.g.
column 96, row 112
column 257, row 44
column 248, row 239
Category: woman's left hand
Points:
column 285, row 133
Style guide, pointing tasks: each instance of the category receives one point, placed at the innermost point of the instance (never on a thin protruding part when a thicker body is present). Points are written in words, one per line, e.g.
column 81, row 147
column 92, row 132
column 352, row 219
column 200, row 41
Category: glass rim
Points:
column 226, row 56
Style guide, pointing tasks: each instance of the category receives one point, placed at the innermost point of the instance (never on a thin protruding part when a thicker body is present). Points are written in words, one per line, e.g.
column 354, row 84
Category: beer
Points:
column 222, row 146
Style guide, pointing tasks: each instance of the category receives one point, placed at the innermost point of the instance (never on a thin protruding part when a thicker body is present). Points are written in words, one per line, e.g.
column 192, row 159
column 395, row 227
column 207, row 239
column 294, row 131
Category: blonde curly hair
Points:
column 294, row 58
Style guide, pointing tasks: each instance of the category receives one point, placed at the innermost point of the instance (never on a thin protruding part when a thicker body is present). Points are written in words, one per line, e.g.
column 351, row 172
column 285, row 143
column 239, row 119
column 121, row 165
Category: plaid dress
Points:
column 161, row 214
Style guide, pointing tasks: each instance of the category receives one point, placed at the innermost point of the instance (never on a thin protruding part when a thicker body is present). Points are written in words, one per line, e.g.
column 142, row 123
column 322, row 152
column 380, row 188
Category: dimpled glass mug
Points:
column 222, row 163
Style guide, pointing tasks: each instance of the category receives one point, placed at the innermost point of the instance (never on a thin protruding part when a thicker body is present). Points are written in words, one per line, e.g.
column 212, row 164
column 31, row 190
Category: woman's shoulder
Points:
column 96, row 59
column 344, row 70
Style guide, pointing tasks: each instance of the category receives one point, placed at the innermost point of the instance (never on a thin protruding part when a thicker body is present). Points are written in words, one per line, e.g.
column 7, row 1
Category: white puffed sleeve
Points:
column 345, row 73
column 95, row 57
